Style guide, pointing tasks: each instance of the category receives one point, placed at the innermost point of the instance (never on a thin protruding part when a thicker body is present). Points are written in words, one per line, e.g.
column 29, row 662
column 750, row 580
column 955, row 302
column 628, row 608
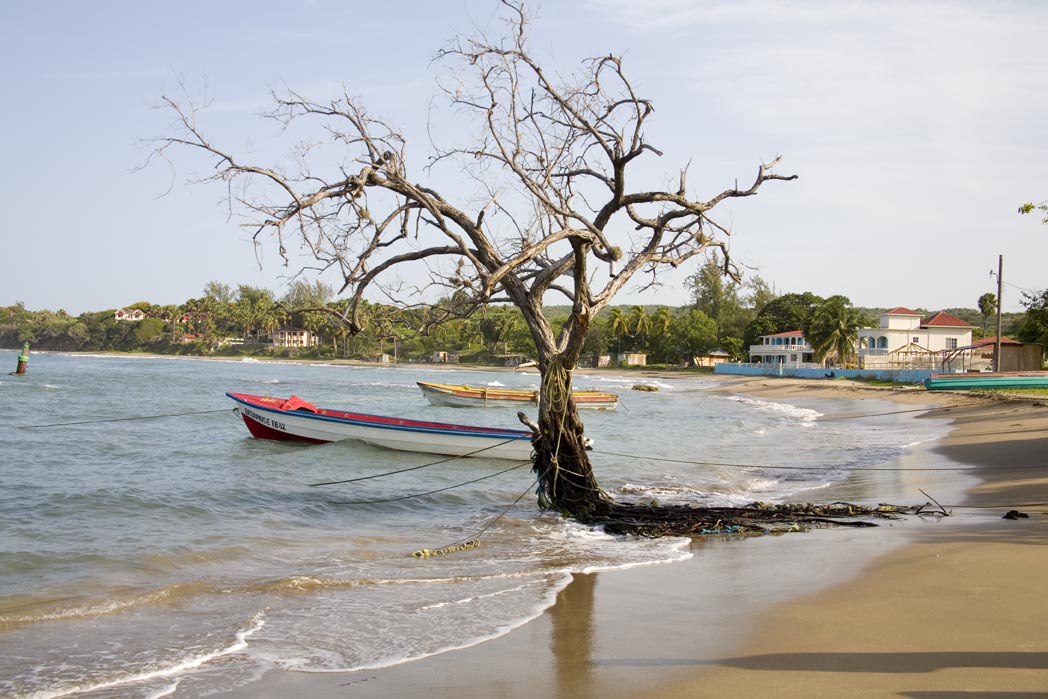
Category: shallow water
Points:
column 151, row 547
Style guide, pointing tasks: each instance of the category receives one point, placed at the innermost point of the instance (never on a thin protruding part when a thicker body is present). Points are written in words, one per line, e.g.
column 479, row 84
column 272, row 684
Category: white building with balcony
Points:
column 788, row 349
column 907, row 340
column 293, row 337
column 134, row 315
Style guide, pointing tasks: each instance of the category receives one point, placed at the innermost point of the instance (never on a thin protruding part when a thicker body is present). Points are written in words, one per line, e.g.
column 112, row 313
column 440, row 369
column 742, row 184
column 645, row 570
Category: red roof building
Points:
column 944, row 320
column 905, row 340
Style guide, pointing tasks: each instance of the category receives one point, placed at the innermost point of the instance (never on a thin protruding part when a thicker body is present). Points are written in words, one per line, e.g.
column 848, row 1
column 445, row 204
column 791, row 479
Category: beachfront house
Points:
column 632, row 358
column 133, row 315
column 907, row 340
column 711, row 358
column 293, row 337
column 788, row 349
column 512, row 360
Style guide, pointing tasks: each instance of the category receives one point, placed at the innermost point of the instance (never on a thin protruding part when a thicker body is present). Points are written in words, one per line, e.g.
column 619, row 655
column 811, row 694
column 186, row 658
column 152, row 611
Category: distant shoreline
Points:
column 682, row 372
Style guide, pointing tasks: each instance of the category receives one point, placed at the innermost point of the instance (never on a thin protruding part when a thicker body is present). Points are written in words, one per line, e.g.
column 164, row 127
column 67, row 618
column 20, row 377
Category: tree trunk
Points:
column 566, row 481
column 566, row 484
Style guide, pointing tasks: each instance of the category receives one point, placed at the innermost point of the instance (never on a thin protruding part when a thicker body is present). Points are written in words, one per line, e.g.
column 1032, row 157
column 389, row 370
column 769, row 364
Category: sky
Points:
column 916, row 129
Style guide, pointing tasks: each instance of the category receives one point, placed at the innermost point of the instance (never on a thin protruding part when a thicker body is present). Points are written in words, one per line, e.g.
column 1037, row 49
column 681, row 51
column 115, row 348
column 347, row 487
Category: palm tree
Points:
column 497, row 325
column 663, row 320
column 619, row 325
column 832, row 328
column 987, row 307
column 640, row 322
column 468, row 331
column 660, row 341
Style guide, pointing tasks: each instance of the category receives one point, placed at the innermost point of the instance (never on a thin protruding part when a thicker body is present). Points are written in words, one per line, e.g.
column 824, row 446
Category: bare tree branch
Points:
column 544, row 189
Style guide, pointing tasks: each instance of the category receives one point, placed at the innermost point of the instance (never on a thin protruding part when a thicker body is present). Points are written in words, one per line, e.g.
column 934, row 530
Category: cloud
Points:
column 909, row 70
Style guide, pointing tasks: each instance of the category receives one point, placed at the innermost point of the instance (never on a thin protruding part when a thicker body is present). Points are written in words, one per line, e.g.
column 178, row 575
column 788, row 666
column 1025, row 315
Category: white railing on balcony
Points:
column 776, row 349
column 778, row 366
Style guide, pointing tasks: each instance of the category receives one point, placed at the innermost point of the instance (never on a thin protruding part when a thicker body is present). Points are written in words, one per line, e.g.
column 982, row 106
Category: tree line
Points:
column 723, row 314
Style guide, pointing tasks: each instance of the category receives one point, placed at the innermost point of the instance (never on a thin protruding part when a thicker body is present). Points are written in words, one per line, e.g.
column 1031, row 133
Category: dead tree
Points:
column 556, row 208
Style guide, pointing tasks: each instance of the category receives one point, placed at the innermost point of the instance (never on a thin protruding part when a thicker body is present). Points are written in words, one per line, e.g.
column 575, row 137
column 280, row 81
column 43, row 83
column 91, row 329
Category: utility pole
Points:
column 997, row 340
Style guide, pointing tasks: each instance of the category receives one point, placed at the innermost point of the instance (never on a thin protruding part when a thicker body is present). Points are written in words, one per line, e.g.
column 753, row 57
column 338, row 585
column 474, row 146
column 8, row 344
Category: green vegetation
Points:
column 228, row 321
column 831, row 329
column 239, row 323
column 1033, row 327
column 1030, row 207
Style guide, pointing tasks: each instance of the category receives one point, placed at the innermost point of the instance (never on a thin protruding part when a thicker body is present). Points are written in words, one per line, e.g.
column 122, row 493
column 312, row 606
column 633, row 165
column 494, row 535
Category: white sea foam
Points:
column 474, row 598
column 189, row 663
column 164, row 691
column 785, row 409
column 309, row 664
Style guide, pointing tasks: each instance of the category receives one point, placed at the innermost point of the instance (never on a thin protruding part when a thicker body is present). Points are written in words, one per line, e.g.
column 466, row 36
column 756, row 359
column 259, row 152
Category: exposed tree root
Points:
column 755, row 518
column 567, row 484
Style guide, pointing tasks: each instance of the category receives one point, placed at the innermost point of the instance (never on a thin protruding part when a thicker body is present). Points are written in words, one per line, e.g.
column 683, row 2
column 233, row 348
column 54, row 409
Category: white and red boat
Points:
column 293, row 419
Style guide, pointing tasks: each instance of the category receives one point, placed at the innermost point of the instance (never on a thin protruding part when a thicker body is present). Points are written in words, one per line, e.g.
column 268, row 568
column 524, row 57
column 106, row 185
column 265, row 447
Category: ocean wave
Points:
column 189, row 662
column 78, row 609
column 332, row 660
column 677, row 492
column 784, row 409
column 475, row 598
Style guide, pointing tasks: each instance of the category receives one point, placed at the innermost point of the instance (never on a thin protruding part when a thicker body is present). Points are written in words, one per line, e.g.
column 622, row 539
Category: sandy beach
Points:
column 925, row 607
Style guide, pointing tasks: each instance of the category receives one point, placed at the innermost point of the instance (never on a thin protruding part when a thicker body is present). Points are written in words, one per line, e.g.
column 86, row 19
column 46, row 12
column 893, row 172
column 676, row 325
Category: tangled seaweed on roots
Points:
column 565, row 482
column 755, row 518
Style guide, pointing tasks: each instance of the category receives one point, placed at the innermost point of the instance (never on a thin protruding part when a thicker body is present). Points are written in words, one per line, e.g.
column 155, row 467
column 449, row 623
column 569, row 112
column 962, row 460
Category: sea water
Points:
column 150, row 547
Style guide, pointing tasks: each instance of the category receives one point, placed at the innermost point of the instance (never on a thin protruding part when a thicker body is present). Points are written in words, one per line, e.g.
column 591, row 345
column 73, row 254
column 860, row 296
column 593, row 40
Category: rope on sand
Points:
column 426, row 553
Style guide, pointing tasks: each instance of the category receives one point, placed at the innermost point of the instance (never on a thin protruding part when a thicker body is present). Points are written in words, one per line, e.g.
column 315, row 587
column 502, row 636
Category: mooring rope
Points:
column 828, row 418
column 431, row 492
column 120, row 419
column 412, row 468
column 555, row 390
column 797, row 468
column 473, row 540
column 998, row 507
column 556, row 386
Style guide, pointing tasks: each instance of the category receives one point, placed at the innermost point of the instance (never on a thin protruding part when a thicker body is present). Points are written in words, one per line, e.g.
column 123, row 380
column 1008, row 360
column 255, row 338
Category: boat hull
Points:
column 465, row 396
column 265, row 418
column 969, row 382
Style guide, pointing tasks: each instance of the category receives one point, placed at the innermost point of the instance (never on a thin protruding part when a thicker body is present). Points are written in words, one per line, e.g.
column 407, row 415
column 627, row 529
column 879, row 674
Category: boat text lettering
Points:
column 264, row 420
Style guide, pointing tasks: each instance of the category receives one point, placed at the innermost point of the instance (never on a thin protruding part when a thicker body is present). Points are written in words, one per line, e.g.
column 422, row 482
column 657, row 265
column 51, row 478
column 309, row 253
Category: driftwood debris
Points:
column 566, row 484
column 755, row 518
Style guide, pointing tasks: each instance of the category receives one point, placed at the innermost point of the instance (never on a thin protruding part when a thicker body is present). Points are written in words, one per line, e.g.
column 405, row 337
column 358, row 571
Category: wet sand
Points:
column 926, row 607
column 961, row 611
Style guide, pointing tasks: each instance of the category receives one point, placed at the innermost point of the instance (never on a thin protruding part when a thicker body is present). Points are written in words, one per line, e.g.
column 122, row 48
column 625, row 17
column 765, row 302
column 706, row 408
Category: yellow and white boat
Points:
column 465, row 396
